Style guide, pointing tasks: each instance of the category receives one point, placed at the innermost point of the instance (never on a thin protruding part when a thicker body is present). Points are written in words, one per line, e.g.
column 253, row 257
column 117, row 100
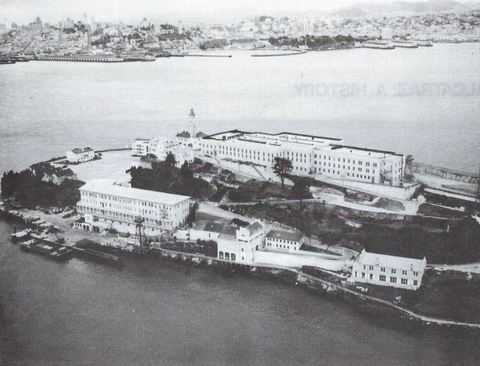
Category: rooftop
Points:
column 79, row 151
column 254, row 228
column 107, row 187
column 285, row 135
column 366, row 150
column 390, row 261
column 221, row 228
column 285, row 235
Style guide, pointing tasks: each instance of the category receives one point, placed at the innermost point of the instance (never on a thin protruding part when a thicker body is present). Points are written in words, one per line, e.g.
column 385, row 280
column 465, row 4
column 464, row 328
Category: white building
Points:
column 234, row 243
column 80, row 155
column 284, row 240
column 141, row 147
column 160, row 147
column 388, row 270
column 312, row 156
column 106, row 205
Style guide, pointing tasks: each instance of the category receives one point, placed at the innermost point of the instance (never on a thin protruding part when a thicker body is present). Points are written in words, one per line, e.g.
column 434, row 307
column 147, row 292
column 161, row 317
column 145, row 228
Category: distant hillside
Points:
column 362, row 10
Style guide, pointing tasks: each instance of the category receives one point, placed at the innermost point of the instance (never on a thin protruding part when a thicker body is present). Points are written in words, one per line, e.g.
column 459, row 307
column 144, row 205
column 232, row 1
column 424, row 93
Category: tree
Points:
column 409, row 164
column 282, row 167
column 170, row 159
column 185, row 171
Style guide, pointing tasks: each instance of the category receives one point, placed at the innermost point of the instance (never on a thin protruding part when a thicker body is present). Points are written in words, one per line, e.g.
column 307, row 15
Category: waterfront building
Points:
column 314, row 156
column 237, row 244
column 388, row 270
column 241, row 247
column 106, row 205
column 284, row 240
column 78, row 155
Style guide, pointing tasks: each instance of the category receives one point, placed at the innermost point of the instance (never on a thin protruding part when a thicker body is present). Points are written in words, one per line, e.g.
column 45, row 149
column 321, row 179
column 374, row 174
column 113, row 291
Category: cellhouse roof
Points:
column 107, row 187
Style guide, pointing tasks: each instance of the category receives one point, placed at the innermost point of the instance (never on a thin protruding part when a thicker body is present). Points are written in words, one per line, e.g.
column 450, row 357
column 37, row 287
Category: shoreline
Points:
column 301, row 278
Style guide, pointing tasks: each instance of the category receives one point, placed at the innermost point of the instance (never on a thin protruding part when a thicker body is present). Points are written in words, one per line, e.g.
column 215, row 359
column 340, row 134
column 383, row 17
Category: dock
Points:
column 95, row 254
column 83, row 248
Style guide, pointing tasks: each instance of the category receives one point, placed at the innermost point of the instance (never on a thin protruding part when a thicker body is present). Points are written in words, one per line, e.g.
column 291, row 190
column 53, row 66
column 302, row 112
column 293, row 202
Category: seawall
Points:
column 446, row 173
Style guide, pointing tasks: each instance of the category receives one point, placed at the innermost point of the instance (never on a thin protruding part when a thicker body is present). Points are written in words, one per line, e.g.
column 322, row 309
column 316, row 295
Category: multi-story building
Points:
column 80, row 155
column 161, row 147
column 388, row 270
column 284, row 240
column 239, row 244
column 312, row 156
column 118, row 207
column 141, row 147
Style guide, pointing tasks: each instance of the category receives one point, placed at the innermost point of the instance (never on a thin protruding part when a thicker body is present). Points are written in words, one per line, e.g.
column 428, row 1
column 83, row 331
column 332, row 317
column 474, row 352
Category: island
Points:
column 372, row 227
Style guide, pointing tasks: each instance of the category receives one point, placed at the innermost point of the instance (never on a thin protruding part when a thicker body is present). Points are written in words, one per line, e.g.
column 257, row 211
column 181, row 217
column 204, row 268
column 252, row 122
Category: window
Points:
column 383, row 278
column 371, row 276
column 415, row 274
column 393, row 279
column 233, row 256
column 382, row 269
column 404, row 281
column 370, row 268
column 363, row 274
column 356, row 274
column 404, row 272
column 227, row 256
column 415, row 283
column 394, row 270
column 220, row 255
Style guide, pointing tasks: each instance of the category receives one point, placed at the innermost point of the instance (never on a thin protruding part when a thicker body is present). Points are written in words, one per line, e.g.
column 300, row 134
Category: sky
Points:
column 25, row 11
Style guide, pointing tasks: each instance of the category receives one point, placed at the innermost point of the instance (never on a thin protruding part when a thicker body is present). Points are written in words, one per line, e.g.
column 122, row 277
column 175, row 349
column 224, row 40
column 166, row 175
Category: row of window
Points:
column 282, row 246
column 383, row 278
column 128, row 201
column 392, row 270
column 227, row 256
column 344, row 160
column 279, row 240
column 122, row 217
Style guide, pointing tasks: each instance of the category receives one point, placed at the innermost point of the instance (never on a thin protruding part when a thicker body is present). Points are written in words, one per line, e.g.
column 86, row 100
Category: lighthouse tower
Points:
column 193, row 132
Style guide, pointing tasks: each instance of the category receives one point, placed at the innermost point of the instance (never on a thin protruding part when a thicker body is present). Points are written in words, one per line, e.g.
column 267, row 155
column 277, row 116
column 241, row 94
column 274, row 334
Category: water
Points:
column 153, row 314
column 414, row 101
column 147, row 314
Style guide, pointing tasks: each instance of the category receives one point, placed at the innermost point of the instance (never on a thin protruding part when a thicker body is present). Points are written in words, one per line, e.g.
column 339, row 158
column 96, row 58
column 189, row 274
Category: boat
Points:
column 20, row 59
column 51, row 250
column 139, row 58
column 379, row 45
column 21, row 235
column 424, row 43
column 7, row 62
column 404, row 44
column 163, row 54
column 279, row 54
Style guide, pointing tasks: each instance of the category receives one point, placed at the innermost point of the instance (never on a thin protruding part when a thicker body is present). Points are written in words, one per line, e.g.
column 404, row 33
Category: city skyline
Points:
column 25, row 11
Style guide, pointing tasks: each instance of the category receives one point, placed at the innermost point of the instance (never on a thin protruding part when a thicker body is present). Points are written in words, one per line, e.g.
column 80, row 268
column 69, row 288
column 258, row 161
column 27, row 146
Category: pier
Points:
column 94, row 59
